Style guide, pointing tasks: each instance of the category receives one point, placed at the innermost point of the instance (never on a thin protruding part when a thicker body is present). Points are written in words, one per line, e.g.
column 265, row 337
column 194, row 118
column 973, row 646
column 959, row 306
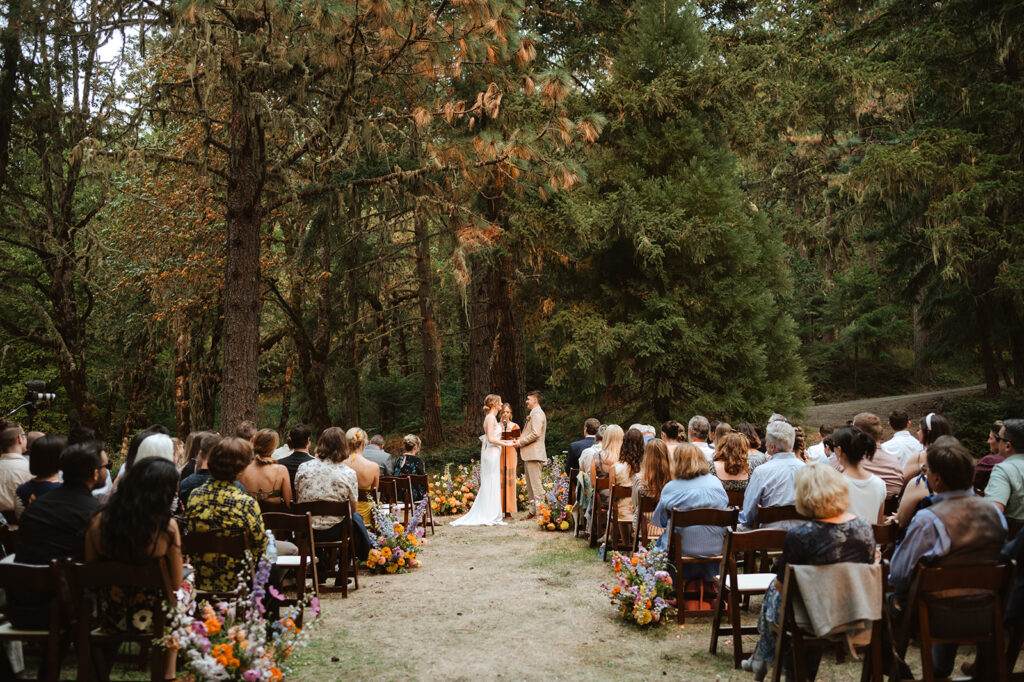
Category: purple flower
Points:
column 199, row 628
column 314, row 604
column 274, row 593
column 252, row 675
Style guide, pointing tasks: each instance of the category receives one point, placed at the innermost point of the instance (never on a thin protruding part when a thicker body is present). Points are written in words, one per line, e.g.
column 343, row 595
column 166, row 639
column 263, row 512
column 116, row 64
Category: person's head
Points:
column 698, row 428
column 44, row 458
column 657, row 466
column 246, row 430
column 263, row 445
column 332, row 445
column 356, row 440
column 411, row 444
column 932, row 427
column 869, row 423
column 799, row 442
column 825, row 430
column 13, row 439
column 505, row 414
column 721, row 431
column 138, row 510
column 591, row 426
column 533, row 399
column 950, row 465
column 156, row 445
column 378, row 440
column 84, row 464
column 192, row 441
column 612, row 442
column 852, row 445
column 688, row 462
column 136, row 443
column 492, row 403
column 298, row 437
column 229, row 458
column 206, row 445
column 1011, row 436
column 899, row 420
column 81, row 434
column 821, row 491
column 179, row 452
column 776, row 417
column 32, row 437
column 599, row 436
column 732, row 451
column 648, row 431
column 779, row 436
column 993, row 437
column 670, row 430
column 632, row 450
column 748, row 430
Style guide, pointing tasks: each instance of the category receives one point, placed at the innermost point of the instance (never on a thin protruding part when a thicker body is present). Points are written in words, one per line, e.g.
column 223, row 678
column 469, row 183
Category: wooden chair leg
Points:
column 1016, row 639
column 927, row 665
column 680, row 588
column 716, row 623
column 799, row 656
column 999, row 645
column 737, row 630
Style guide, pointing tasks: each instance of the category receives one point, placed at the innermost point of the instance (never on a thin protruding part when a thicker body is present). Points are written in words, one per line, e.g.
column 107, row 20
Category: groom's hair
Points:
column 591, row 426
column 535, row 394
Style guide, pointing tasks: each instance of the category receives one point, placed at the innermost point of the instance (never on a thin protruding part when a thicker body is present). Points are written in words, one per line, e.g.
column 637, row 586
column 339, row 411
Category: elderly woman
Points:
column 833, row 536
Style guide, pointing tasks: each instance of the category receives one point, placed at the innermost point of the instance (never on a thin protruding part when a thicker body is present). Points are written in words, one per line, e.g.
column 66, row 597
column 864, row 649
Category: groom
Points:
column 532, row 452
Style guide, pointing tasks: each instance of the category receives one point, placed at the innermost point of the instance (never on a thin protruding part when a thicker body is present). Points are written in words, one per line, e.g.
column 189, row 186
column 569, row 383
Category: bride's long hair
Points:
column 491, row 401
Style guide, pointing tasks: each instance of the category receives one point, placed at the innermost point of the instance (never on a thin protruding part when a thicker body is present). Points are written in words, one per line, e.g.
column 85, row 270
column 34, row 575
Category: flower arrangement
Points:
column 522, row 501
column 554, row 513
column 233, row 640
column 453, row 492
column 642, row 586
column 396, row 549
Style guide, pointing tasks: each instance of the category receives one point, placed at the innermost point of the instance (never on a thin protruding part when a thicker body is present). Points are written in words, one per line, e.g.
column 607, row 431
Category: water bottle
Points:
column 271, row 547
column 600, row 553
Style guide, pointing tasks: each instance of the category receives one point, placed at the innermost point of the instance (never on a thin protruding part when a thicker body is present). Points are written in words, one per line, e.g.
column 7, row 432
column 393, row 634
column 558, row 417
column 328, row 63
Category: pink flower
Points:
column 274, row 593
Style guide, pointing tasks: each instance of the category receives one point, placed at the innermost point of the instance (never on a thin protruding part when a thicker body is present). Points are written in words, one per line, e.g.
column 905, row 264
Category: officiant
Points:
column 509, row 431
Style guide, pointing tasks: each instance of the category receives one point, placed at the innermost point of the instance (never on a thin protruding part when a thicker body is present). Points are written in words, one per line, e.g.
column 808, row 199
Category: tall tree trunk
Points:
column 922, row 372
column 508, row 364
column 71, row 354
column 429, row 338
column 286, row 397
column 239, row 391
column 351, row 390
column 988, row 359
column 1017, row 349
column 10, row 42
column 480, row 342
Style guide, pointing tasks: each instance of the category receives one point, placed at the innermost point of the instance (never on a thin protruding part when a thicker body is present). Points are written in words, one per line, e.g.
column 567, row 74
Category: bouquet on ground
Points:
column 554, row 511
column 453, row 492
column 396, row 548
column 642, row 586
column 234, row 640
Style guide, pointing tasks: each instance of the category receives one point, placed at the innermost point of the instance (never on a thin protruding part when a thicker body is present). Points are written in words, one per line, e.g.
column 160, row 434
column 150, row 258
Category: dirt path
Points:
column 915, row 404
column 506, row 603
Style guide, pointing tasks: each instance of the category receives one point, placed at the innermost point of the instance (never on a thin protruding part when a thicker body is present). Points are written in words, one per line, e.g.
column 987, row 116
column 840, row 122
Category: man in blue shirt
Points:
column 771, row 484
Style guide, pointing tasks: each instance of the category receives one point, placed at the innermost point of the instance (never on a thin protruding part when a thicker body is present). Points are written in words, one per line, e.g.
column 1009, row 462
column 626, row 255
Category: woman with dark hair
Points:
column 931, row 428
column 264, row 478
column 44, row 465
column 626, row 469
column 755, row 457
column 136, row 528
column 867, row 491
column 731, row 463
column 192, row 443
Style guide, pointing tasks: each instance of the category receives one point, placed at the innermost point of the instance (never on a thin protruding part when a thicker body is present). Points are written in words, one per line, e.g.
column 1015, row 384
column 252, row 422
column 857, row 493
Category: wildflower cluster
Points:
column 453, row 493
column 554, row 511
column 642, row 586
column 396, row 548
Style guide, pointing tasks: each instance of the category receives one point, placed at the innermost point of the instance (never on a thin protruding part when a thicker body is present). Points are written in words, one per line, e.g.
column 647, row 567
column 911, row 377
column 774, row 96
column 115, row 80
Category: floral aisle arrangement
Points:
column 453, row 492
column 522, row 501
column 642, row 587
column 554, row 511
column 234, row 640
column 396, row 549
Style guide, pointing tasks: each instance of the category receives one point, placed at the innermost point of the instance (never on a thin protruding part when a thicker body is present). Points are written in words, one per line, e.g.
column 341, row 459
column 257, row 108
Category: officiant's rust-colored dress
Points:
column 509, row 461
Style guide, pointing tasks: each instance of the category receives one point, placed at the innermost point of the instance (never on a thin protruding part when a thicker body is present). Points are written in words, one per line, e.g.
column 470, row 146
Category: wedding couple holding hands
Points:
column 494, row 500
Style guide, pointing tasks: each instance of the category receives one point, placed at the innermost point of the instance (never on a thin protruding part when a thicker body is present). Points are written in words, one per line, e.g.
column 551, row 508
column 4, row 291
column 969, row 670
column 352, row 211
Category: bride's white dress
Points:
column 486, row 509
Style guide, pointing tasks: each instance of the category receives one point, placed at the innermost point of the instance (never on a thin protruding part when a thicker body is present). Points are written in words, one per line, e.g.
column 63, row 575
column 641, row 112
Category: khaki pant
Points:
column 534, row 488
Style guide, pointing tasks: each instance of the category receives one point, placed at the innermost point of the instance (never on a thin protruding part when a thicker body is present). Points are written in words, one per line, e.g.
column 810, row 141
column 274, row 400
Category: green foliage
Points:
column 973, row 417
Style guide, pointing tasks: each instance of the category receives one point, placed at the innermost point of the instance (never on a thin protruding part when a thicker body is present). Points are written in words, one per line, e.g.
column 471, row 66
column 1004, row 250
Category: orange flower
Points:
column 276, row 675
column 212, row 626
column 634, row 561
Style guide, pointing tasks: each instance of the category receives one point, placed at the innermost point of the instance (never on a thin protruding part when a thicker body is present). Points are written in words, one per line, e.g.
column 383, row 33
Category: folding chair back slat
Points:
column 643, row 533
column 886, row 535
column 49, row 585
column 735, row 498
column 421, row 482
column 299, row 527
column 573, row 473
column 788, row 512
column 615, row 537
column 598, row 509
column 341, row 552
column 274, row 507
column 681, row 519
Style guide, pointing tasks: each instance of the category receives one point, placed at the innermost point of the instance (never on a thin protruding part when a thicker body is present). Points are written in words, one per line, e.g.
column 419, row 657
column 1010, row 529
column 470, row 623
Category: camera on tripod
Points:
column 38, row 395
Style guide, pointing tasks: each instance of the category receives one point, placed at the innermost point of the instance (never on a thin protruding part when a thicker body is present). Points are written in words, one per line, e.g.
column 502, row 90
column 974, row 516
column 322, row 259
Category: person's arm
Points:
column 925, row 537
column 174, row 562
column 998, row 489
column 92, row 541
column 751, row 498
column 286, row 486
column 530, row 432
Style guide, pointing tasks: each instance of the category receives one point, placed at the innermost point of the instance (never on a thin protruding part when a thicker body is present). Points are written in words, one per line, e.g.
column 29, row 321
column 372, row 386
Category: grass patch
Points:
column 557, row 555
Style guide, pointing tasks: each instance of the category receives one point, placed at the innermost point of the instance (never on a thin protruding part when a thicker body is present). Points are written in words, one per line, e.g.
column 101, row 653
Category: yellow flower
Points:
column 401, row 562
column 568, row 507
column 399, row 528
column 643, row 617
column 564, row 525
column 391, row 568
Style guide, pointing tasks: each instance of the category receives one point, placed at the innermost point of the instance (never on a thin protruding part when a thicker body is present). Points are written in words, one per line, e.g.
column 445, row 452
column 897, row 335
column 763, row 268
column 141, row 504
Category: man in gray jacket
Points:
column 531, row 450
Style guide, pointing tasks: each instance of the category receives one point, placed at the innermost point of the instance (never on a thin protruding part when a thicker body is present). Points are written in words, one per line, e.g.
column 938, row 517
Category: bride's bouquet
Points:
column 453, row 493
column 554, row 511
column 396, row 548
column 642, row 586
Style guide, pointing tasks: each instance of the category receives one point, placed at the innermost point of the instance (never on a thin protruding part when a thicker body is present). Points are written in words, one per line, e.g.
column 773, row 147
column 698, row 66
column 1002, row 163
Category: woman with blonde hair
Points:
column 264, row 478
column 486, row 509
column 603, row 465
column 367, row 472
column 730, row 464
column 410, row 462
column 833, row 536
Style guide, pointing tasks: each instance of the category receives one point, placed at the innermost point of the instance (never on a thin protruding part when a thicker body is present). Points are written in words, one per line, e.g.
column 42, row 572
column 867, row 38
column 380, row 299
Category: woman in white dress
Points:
column 486, row 509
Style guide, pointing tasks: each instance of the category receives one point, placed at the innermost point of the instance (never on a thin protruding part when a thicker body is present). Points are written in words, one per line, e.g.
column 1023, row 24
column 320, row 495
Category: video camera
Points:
column 38, row 395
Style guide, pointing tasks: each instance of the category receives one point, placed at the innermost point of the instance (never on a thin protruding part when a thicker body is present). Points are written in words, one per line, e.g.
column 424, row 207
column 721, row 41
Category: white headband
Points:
column 928, row 420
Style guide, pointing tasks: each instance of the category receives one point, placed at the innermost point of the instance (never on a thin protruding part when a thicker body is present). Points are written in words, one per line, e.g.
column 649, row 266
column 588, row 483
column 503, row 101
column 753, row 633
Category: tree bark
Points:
column 10, row 42
column 286, row 397
column 988, row 359
column 480, row 343
column 429, row 338
column 182, row 383
column 922, row 372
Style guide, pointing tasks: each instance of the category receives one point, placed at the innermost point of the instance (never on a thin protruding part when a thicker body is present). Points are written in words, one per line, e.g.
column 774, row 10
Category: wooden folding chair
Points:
column 91, row 579
column 955, row 605
column 732, row 585
column 681, row 519
column 49, row 585
column 890, row 506
column 598, row 509
column 644, row 530
column 886, row 535
column 735, row 498
column 299, row 528
column 274, row 507
column 789, row 635
column 8, row 537
column 573, row 473
column 420, row 482
column 336, row 552
column 201, row 546
column 788, row 512
column 615, row 537
column 396, row 492
column 369, row 495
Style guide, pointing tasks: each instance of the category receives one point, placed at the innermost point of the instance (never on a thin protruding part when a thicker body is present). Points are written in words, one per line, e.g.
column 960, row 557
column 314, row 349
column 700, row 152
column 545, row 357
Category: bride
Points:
column 486, row 509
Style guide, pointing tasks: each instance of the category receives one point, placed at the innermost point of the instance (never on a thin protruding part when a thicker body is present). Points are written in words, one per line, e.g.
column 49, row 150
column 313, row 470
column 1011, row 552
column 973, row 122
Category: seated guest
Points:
column 576, row 448
column 626, row 469
column 376, row 454
column 882, row 464
column 202, row 473
column 298, row 441
column 755, row 457
column 409, row 462
column 983, row 469
column 135, row 444
column 602, row 465
column 1006, row 484
column 157, row 445
column 867, row 491
column 136, row 528
column 366, row 471
column 222, row 507
column 655, row 472
column 816, row 452
column 771, row 484
column 959, row 527
column 264, row 478
column 902, row 445
column 192, row 443
column 179, row 453
column 14, row 468
column 329, row 478
column 799, row 443
column 722, row 430
column 834, row 536
column 692, row 487
column 44, row 463
column 246, row 430
column 698, row 431
column 933, row 427
column 584, row 491
column 671, row 434
column 730, row 464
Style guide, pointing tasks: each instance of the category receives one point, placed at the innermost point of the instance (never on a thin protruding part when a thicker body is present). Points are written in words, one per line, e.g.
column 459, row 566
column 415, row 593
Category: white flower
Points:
column 142, row 619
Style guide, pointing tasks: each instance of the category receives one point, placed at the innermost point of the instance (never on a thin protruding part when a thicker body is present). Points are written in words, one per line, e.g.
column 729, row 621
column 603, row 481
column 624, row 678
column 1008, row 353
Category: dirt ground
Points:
column 507, row 602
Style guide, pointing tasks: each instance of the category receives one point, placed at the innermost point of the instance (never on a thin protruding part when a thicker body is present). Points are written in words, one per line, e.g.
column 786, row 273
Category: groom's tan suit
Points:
column 533, row 454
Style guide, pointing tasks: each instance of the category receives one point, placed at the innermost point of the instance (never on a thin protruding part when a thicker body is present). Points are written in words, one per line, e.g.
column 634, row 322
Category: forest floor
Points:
column 914, row 404
column 510, row 602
